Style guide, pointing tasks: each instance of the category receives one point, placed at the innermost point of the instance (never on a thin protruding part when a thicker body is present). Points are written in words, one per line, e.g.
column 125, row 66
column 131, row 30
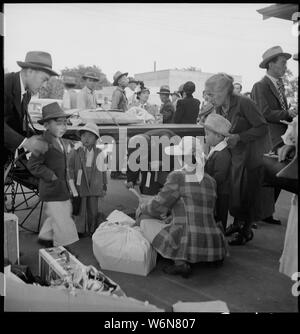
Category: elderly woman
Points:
column 248, row 136
column 187, row 109
column 179, row 221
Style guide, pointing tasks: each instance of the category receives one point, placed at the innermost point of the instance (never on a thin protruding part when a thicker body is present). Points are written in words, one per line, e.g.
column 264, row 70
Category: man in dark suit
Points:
column 187, row 109
column 269, row 94
column 270, row 97
column 18, row 88
column 167, row 109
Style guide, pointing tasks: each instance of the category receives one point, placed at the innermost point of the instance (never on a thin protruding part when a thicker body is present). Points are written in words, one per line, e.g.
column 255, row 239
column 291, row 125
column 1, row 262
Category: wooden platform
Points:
column 249, row 280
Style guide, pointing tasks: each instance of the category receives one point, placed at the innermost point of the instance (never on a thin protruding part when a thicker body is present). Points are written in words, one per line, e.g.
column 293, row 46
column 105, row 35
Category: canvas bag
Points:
column 123, row 248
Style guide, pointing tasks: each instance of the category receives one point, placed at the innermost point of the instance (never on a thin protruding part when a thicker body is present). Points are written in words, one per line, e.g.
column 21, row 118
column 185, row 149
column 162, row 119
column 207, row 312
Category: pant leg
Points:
column 63, row 226
column 81, row 219
column 222, row 208
column 92, row 212
column 46, row 232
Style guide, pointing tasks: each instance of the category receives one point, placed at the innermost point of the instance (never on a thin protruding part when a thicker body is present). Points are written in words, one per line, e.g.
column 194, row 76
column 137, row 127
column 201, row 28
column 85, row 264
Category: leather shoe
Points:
column 233, row 228
column 271, row 220
column 241, row 238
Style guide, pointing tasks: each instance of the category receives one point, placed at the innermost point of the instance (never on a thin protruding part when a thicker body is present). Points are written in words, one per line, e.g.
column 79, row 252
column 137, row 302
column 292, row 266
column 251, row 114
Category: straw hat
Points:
column 91, row 127
column 39, row 60
column 218, row 124
column 52, row 111
column 272, row 53
column 117, row 76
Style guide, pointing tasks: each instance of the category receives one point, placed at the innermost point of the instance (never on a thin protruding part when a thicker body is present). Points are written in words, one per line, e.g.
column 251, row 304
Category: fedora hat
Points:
column 91, row 127
column 165, row 89
column 52, row 111
column 90, row 75
column 39, row 60
column 272, row 53
column 69, row 80
column 117, row 76
column 218, row 124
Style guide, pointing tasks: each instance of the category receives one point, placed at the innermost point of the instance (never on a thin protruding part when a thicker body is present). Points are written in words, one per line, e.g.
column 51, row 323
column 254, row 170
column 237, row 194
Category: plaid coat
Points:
column 192, row 235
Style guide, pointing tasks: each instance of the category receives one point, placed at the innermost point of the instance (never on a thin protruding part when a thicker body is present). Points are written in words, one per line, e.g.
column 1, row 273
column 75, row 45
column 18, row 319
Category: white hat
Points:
column 218, row 124
column 272, row 53
column 187, row 146
column 91, row 127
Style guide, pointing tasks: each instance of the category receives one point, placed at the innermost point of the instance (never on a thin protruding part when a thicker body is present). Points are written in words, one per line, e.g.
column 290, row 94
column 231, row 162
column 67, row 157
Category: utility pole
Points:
column 154, row 66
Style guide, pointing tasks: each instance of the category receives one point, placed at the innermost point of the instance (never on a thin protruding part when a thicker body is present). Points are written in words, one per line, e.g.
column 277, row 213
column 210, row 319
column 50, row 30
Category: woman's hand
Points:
column 232, row 140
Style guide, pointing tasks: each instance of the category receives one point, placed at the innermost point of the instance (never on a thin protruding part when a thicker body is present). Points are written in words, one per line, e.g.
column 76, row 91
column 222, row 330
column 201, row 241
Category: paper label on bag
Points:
column 148, row 179
column 79, row 175
column 73, row 188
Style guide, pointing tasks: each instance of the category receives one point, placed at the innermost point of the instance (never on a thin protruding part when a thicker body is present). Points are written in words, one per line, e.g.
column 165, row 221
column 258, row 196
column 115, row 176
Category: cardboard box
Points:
column 52, row 265
column 21, row 297
column 11, row 238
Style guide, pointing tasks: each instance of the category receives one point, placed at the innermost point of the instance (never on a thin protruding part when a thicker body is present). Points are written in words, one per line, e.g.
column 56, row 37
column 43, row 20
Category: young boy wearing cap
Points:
column 51, row 168
column 218, row 162
column 87, row 165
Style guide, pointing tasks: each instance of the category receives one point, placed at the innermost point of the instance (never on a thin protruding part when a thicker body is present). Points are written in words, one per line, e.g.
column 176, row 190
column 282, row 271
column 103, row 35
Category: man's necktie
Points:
column 281, row 93
column 26, row 117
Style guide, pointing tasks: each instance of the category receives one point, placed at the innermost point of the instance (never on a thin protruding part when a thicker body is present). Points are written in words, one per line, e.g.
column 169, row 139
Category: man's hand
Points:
column 293, row 112
column 233, row 140
column 54, row 177
column 283, row 151
column 35, row 145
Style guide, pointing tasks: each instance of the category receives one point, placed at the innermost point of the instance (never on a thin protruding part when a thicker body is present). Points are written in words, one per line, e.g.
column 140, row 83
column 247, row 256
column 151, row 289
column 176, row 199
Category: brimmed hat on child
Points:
column 90, row 127
column 218, row 124
column 52, row 111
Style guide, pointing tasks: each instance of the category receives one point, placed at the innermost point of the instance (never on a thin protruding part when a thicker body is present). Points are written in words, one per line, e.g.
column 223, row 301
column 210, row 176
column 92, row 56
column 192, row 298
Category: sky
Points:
column 130, row 37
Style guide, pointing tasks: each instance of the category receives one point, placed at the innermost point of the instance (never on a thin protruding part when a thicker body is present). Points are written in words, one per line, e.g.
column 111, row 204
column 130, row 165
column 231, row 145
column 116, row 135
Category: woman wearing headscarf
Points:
column 187, row 109
column 246, row 142
column 179, row 221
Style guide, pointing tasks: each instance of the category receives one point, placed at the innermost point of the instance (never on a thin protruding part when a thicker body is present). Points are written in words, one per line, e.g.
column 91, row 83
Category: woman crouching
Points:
column 179, row 221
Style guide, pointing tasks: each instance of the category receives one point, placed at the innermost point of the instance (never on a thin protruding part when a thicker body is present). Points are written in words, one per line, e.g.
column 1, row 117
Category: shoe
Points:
column 241, row 238
column 46, row 243
column 233, row 228
column 254, row 226
column 271, row 220
column 183, row 269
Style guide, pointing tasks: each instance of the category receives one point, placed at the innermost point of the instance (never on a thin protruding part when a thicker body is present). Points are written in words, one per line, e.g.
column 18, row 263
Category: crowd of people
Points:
column 186, row 219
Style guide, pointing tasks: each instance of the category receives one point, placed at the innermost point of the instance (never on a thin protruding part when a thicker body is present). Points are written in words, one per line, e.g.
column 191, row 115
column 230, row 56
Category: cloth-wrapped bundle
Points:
column 123, row 248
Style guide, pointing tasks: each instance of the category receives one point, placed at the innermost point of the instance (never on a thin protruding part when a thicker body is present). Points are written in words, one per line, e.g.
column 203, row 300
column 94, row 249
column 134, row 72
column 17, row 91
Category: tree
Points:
column 80, row 70
column 291, row 84
column 53, row 90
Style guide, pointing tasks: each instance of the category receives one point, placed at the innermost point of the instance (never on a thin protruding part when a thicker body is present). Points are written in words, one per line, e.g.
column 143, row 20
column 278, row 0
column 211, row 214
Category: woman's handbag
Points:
column 271, row 168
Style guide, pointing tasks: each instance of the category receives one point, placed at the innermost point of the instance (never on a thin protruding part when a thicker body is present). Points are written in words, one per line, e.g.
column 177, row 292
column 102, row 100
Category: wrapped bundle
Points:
column 108, row 117
column 141, row 114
